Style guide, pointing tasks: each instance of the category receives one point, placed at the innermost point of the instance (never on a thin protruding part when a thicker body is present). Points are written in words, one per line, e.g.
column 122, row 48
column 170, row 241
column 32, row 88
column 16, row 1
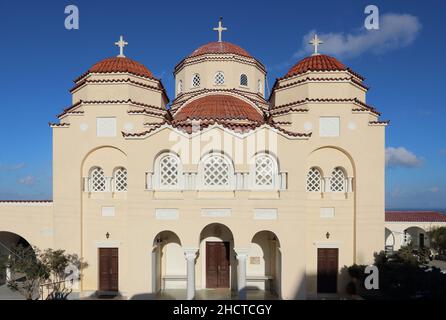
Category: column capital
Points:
column 241, row 253
column 190, row 253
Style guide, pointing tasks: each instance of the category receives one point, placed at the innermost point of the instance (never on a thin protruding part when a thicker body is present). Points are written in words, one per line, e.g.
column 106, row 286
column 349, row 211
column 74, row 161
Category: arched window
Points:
column 180, row 87
column 219, row 78
column 97, row 180
column 244, row 80
column 196, row 81
column 216, row 172
column 259, row 86
column 120, row 179
column 314, row 180
column 168, row 171
column 265, row 172
column 337, row 180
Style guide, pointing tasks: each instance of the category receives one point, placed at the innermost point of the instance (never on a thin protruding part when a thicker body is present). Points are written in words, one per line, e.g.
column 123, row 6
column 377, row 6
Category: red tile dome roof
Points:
column 320, row 62
column 220, row 47
column 120, row 64
column 218, row 107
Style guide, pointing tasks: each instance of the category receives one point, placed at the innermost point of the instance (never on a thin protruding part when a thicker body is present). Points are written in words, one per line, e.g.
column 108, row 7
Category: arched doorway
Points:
column 264, row 265
column 168, row 262
column 216, row 264
column 8, row 242
column 417, row 237
column 389, row 239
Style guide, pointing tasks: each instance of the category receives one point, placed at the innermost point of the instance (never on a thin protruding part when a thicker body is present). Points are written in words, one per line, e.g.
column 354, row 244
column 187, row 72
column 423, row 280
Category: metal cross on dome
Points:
column 121, row 44
column 220, row 29
column 315, row 42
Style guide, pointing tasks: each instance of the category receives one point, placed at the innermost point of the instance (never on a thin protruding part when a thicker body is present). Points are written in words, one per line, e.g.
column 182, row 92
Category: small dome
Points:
column 120, row 64
column 319, row 62
column 218, row 107
column 220, row 47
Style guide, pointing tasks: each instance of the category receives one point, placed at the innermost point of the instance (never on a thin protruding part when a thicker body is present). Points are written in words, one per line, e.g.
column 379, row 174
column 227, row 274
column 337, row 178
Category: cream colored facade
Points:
column 274, row 232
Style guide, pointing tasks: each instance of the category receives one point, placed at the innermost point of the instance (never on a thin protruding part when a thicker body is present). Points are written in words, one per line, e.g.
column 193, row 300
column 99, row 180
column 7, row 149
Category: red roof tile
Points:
column 218, row 106
column 319, row 62
column 220, row 47
column 415, row 216
column 119, row 64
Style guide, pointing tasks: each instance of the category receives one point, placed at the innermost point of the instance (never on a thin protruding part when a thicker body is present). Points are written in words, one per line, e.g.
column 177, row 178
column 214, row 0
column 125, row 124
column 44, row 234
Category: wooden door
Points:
column 217, row 264
column 327, row 270
column 108, row 269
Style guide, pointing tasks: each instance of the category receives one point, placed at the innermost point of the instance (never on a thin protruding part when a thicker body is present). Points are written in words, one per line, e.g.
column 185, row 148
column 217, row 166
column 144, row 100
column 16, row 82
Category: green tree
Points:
column 437, row 239
column 32, row 269
column 27, row 272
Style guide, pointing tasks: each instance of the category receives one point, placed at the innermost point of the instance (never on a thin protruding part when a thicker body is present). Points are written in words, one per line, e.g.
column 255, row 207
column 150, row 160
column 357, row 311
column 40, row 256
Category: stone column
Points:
column 190, row 254
column 242, row 256
column 327, row 184
column 350, row 184
column 154, row 269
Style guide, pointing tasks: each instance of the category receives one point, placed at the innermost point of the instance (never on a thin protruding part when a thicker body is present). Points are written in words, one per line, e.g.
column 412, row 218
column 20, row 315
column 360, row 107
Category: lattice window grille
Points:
column 216, row 172
column 259, row 86
column 314, row 180
column 97, row 179
column 264, row 171
column 121, row 180
column 244, row 80
column 337, row 180
column 196, row 81
column 168, row 171
column 219, row 78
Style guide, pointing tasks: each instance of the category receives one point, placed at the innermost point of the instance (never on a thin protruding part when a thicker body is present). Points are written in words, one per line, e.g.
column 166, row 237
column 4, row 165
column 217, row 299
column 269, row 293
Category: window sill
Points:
column 226, row 194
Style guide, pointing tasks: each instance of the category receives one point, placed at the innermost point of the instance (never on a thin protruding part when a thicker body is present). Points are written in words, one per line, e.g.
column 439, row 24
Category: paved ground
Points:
column 439, row 264
column 8, row 294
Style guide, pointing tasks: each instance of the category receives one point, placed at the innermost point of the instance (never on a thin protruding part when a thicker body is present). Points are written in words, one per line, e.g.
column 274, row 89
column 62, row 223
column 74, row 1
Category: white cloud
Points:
column 434, row 189
column 11, row 167
column 27, row 181
column 401, row 157
column 395, row 31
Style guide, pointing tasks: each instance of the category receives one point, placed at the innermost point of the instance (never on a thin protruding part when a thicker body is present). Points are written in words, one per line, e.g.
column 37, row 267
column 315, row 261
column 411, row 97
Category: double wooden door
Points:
column 327, row 270
column 217, row 264
column 108, row 270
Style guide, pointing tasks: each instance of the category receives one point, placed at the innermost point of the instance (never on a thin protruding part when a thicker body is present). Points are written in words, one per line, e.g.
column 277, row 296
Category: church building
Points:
column 224, row 186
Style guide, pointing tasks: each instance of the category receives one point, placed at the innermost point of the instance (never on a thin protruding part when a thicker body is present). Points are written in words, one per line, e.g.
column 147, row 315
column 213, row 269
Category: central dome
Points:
column 220, row 47
column 218, row 107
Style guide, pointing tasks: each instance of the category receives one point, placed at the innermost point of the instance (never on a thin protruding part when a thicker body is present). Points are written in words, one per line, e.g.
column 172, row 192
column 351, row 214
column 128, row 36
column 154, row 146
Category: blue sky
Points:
column 403, row 64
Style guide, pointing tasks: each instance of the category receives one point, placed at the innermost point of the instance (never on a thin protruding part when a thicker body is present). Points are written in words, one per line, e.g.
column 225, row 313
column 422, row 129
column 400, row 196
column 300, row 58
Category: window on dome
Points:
column 180, row 87
column 244, row 80
column 196, row 81
column 337, row 180
column 97, row 180
column 259, row 86
column 314, row 180
column 219, row 78
column 120, row 179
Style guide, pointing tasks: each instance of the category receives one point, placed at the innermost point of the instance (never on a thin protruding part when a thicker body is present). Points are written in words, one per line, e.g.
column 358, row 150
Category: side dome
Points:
column 220, row 48
column 320, row 62
column 218, row 107
column 119, row 64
